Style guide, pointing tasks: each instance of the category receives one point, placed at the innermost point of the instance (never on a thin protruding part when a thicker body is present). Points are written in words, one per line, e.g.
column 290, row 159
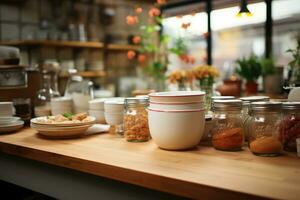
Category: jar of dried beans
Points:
column 263, row 128
column 136, row 127
column 228, row 125
column 289, row 127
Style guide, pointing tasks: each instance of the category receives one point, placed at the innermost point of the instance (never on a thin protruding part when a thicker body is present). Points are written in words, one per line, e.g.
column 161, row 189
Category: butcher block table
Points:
column 200, row 173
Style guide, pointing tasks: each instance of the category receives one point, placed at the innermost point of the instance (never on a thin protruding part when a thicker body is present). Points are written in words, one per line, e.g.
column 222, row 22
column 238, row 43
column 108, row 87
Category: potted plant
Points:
column 272, row 76
column 249, row 69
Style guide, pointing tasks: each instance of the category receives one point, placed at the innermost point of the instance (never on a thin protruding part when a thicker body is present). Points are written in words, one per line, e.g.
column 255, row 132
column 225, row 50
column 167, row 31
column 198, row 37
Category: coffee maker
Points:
column 16, row 81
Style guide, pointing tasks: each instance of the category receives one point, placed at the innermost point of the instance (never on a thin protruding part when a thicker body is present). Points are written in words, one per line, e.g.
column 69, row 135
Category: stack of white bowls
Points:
column 114, row 113
column 96, row 109
column 61, row 105
column 177, row 119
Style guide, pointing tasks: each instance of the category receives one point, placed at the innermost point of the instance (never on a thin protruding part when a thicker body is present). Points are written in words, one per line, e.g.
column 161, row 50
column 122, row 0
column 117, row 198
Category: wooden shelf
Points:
column 70, row 44
column 122, row 47
column 86, row 74
column 75, row 44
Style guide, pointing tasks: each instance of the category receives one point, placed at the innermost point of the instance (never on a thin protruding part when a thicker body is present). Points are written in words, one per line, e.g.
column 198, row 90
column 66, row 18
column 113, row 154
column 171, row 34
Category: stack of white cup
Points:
column 96, row 109
column 6, row 109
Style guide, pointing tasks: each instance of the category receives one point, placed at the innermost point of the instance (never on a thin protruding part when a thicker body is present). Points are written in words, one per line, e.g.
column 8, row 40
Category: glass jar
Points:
column 289, row 127
column 263, row 128
column 228, row 125
column 136, row 128
column 245, row 111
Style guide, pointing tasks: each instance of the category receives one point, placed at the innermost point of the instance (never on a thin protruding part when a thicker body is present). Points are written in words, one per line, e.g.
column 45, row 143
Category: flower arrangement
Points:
column 205, row 74
column 152, row 53
column 181, row 77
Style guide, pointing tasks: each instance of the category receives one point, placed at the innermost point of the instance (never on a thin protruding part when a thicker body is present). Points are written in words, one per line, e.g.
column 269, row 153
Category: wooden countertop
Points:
column 199, row 173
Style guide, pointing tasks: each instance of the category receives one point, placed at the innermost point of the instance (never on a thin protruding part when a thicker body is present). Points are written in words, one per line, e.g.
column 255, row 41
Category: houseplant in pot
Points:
column 272, row 76
column 249, row 69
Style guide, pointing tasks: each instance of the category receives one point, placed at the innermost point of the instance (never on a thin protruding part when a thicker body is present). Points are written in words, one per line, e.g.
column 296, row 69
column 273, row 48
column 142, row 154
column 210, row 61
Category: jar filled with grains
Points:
column 228, row 125
column 263, row 128
column 136, row 128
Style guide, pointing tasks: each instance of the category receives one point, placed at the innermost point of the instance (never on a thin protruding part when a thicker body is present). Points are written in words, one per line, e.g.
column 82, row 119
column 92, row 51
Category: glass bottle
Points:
column 228, row 125
column 289, row 128
column 263, row 128
column 136, row 128
column 43, row 97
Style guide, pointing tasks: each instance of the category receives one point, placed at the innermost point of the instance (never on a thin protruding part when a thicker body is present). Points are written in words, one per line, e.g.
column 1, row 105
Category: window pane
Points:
column 194, row 37
column 234, row 37
column 286, row 16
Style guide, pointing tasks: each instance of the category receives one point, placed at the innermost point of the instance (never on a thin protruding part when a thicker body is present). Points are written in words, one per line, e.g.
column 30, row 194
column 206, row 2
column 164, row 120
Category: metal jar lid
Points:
column 255, row 98
column 266, row 106
column 136, row 102
column 291, row 106
column 227, row 105
column 222, row 98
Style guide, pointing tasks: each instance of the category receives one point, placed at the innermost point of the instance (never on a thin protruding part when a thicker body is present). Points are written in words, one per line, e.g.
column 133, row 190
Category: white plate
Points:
column 35, row 121
column 8, row 119
column 11, row 128
column 63, row 133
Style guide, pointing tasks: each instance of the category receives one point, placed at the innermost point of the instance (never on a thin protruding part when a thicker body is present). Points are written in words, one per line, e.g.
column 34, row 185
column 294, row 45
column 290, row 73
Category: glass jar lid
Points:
column 137, row 101
column 266, row 106
column 227, row 105
column 291, row 106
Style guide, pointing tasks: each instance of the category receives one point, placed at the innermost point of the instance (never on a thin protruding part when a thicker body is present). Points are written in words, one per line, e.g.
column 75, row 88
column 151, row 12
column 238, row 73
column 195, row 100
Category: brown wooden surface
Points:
column 199, row 173
column 86, row 74
column 74, row 44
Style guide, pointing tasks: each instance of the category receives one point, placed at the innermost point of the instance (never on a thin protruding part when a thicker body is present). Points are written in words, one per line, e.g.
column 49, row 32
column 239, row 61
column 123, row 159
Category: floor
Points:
column 14, row 192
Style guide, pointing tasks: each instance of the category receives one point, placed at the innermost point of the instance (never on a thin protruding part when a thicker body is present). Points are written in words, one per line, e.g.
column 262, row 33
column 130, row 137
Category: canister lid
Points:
column 137, row 101
column 265, row 106
column 233, row 104
column 255, row 98
column 222, row 97
column 291, row 105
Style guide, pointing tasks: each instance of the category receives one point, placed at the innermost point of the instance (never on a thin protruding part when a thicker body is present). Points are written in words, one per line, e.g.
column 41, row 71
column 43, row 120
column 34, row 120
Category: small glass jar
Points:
column 245, row 111
column 228, row 125
column 136, row 128
column 289, row 127
column 263, row 128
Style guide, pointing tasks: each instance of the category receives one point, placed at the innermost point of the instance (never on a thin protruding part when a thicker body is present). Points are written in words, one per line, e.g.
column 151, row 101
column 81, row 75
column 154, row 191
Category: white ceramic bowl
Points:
column 114, row 118
column 99, row 115
column 114, row 106
column 177, row 106
column 176, row 130
column 177, row 97
column 97, row 104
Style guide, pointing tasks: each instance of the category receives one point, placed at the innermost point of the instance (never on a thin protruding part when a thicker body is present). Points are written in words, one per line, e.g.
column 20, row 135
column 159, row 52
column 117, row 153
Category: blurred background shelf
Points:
column 85, row 74
column 121, row 47
column 74, row 44
column 71, row 44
